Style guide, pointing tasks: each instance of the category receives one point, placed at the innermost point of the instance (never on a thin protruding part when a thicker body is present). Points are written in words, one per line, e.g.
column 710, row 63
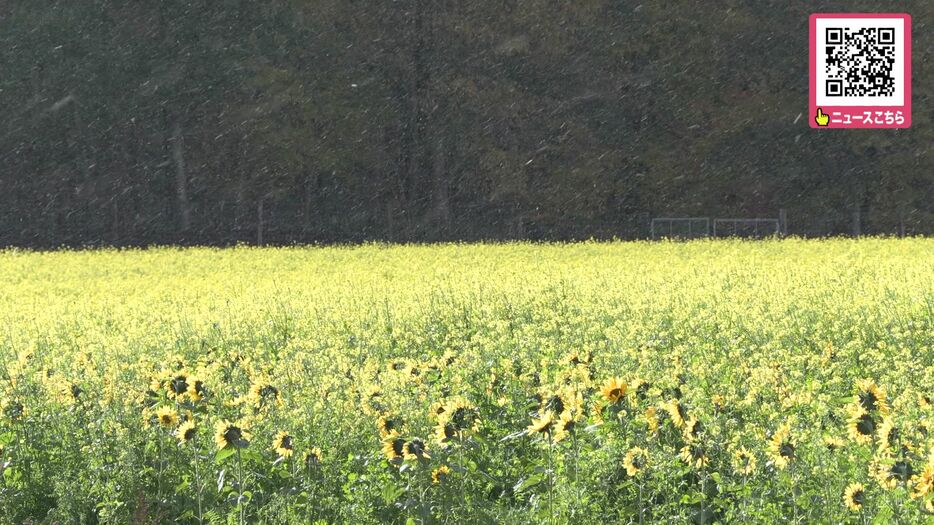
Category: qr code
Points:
column 860, row 61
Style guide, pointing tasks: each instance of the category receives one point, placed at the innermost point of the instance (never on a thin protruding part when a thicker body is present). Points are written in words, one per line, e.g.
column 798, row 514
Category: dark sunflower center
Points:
column 461, row 418
column 180, row 385
column 696, row 429
column 189, row 434
column 268, row 391
column 858, row 497
column 286, row 443
column 311, row 460
column 901, row 471
column 417, row 447
column 398, row 446
column 615, row 393
column 555, row 403
column 642, row 391
column 233, row 435
column 868, row 400
column 787, row 450
column 15, row 410
column 892, row 435
column 865, row 425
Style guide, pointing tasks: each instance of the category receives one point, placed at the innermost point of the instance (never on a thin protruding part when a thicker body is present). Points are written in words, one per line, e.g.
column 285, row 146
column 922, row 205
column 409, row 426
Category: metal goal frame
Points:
column 658, row 230
column 760, row 227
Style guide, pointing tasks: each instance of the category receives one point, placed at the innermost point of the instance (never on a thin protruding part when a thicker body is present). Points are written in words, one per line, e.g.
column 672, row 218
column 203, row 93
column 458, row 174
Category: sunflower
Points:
column 186, row 431
column 312, row 457
column 389, row 424
column 639, row 388
column 156, row 383
column 393, row 447
column 577, row 358
column 415, row 449
column 692, row 429
column 596, row 410
column 227, row 434
column 167, row 417
column 564, row 426
column 14, row 410
column 635, row 461
column 833, row 443
column 614, row 389
column 782, row 447
column 694, row 455
column 861, row 425
column 371, row 400
column 438, row 474
column 889, row 475
column 543, row 425
column 871, row 397
column 178, row 385
column 924, row 401
column 924, row 480
column 744, row 461
column 436, row 410
column 853, row 496
column 676, row 412
column 263, row 394
column 461, row 415
column 196, row 391
column 888, row 434
column 444, row 433
column 718, row 402
column 651, row 419
column 283, row 444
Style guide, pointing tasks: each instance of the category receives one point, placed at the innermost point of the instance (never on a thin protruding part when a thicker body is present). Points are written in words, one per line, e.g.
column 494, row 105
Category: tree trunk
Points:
column 440, row 188
column 181, row 180
column 259, row 221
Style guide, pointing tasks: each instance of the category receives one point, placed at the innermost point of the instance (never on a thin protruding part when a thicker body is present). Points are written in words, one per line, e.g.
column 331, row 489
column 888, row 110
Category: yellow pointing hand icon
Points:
column 821, row 118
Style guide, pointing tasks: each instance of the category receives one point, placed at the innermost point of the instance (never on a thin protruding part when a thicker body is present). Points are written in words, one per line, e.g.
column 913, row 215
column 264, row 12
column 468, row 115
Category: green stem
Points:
column 240, row 506
column 551, row 480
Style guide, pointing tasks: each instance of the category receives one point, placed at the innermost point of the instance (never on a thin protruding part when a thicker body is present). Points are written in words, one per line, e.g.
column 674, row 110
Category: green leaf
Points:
column 391, row 493
column 12, row 475
column 223, row 454
column 884, row 516
column 528, row 482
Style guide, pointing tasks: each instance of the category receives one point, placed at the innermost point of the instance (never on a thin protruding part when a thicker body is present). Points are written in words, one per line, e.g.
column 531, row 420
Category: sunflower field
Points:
column 782, row 381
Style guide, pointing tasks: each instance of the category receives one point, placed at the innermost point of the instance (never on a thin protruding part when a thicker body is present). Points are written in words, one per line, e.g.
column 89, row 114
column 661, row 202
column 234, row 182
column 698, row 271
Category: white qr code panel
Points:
column 860, row 62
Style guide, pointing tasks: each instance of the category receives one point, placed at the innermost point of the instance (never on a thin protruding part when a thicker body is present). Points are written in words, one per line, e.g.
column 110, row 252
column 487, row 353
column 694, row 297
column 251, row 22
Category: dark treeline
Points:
column 218, row 121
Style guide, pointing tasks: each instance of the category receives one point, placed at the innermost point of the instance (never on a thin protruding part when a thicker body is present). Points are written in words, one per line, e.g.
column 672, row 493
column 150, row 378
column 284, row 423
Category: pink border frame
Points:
column 857, row 110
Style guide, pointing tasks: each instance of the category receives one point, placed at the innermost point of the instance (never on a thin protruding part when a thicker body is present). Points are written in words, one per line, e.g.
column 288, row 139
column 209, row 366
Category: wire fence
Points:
column 700, row 227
